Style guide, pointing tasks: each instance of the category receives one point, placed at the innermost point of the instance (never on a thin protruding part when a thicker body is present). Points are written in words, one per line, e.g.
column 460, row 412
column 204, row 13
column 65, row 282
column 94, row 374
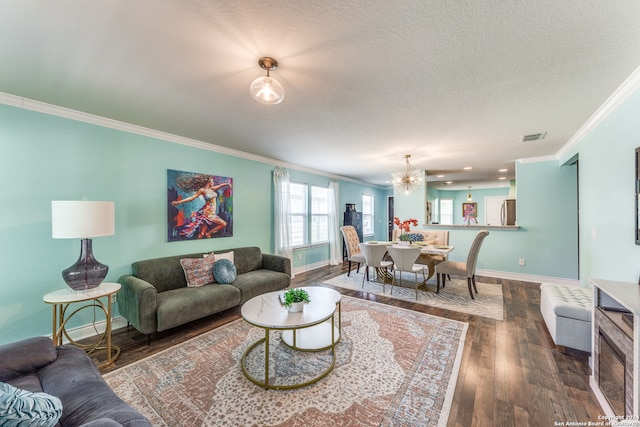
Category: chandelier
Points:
column 407, row 179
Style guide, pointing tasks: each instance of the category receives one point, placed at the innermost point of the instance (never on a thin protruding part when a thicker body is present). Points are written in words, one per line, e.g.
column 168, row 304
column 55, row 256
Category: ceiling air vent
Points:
column 534, row 137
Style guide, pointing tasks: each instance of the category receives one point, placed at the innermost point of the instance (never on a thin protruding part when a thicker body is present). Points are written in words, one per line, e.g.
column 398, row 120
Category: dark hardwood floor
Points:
column 511, row 374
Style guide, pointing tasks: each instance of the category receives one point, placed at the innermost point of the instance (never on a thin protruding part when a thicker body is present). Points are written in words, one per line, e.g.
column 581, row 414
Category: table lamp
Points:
column 83, row 220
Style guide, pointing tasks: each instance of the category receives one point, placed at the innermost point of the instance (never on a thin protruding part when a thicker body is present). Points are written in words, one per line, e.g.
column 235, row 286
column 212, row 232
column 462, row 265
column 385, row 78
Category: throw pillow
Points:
column 224, row 255
column 224, row 271
column 21, row 407
column 198, row 271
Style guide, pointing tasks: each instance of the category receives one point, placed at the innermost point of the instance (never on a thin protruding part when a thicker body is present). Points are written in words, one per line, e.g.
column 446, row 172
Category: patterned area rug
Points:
column 394, row 367
column 488, row 301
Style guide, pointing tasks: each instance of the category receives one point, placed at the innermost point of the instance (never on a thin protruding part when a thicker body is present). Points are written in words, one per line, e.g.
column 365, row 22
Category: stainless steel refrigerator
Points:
column 508, row 212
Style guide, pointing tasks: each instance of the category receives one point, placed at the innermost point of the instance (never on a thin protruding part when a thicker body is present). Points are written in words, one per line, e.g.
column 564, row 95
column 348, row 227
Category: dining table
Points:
column 426, row 251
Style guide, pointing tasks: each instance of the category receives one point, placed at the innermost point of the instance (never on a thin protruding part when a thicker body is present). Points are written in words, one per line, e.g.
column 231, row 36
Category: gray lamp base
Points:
column 87, row 272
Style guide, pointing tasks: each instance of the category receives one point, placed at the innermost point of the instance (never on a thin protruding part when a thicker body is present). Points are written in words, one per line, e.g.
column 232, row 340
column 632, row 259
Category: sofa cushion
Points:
column 224, row 271
column 198, row 271
column 180, row 306
column 21, row 407
column 261, row 281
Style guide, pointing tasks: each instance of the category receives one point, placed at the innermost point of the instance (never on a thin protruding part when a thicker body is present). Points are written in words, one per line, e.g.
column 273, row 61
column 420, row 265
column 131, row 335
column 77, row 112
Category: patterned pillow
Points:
column 198, row 271
column 20, row 407
column 224, row 271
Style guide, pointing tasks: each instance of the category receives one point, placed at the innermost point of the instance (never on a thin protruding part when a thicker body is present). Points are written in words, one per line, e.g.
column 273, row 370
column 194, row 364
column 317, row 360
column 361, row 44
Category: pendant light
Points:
column 267, row 90
column 408, row 179
column 469, row 199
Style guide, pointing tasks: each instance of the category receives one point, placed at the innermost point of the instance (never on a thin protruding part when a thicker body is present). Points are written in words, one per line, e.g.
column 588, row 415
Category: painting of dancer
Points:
column 200, row 206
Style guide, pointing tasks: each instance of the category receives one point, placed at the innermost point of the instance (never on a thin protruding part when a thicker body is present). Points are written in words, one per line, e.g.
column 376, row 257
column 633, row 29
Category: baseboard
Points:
column 93, row 329
column 309, row 267
column 527, row 277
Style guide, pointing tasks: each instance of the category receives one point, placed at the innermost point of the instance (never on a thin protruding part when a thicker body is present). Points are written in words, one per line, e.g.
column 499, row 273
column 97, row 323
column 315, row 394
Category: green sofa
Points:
column 155, row 297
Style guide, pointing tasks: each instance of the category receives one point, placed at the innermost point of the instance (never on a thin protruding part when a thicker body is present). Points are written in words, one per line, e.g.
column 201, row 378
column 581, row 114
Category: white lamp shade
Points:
column 82, row 219
column 267, row 90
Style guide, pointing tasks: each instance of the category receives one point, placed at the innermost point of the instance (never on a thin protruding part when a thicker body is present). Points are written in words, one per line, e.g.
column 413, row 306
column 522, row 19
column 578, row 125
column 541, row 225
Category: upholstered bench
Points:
column 567, row 312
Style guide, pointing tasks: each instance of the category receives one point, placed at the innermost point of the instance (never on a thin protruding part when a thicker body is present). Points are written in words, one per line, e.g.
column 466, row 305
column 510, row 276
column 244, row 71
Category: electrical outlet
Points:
column 299, row 256
column 115, row 298
column 521, row 261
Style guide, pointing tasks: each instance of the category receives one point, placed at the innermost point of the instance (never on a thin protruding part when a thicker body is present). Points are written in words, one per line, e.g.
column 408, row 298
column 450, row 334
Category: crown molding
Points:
column 628, row 87
column 67, row 113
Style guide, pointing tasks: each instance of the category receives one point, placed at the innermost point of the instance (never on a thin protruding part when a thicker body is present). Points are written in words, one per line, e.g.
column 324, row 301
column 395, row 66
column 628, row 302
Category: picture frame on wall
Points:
column 200, row 206
column 469, row 210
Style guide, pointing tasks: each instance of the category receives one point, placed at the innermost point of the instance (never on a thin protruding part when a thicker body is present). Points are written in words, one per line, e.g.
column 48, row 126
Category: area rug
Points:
column 488, row 301
column 394, row 367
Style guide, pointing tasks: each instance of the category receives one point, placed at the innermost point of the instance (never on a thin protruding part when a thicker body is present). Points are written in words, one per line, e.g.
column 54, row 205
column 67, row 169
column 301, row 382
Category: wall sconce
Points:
column 267, row 90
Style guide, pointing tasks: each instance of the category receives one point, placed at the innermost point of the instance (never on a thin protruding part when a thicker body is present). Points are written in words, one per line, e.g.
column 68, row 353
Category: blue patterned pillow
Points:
column 20, row 407
column 224, row 271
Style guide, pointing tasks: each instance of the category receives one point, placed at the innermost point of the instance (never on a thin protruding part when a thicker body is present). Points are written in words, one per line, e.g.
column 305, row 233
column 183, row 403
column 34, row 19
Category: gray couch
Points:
column 36, row 365
column 155, row 297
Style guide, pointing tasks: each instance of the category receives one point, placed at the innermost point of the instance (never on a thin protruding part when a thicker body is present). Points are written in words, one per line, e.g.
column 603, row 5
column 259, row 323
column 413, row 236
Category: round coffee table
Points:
column 313, row 329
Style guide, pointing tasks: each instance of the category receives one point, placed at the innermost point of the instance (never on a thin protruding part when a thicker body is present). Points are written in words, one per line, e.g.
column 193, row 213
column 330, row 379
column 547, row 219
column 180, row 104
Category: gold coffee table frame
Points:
column 297, row 336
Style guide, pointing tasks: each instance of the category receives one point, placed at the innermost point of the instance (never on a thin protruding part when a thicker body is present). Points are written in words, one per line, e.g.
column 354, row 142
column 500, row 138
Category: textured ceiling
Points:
column 453, row 84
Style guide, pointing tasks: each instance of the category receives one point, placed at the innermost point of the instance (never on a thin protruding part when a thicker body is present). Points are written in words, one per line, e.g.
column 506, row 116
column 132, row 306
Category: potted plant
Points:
column 405, row 228
column 294, row 299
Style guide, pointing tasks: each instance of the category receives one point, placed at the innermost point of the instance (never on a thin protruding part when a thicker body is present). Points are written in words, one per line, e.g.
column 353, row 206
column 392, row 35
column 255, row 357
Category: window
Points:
column 309, row 221
column 319, row 215
column 299, row 213
column 367, row 215
column 446, row 211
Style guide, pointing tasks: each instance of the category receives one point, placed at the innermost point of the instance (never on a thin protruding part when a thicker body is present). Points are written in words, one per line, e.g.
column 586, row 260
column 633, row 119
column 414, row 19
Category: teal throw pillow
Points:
column 24, row 408
column 224, row 271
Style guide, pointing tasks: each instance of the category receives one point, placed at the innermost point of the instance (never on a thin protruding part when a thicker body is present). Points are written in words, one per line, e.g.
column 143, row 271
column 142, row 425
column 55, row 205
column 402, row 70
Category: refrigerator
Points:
column 508, row 212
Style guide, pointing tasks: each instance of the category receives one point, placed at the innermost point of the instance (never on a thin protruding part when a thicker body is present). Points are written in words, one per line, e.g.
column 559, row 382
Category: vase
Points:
column 295, row 307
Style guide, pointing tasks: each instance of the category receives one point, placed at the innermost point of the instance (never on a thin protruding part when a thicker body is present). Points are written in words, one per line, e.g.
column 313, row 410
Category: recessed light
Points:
column 440, row 176
column 467, row 168
column 449, row 182
column 502, row 177
column 503, row 170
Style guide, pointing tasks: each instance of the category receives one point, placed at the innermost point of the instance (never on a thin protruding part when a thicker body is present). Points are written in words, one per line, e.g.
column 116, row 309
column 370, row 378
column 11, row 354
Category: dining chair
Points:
column 351, row 242
column 374, row 257
column 404, row 259
column 459, row 268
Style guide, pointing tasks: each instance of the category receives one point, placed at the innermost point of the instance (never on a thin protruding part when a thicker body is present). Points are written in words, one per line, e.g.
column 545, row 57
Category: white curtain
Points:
column 335, row 249
column 282, row 215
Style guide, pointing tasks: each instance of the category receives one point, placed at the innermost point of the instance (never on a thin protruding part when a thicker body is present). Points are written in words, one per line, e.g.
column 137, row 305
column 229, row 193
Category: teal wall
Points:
column 607, row 210
column 47, row 158
column 547, row 216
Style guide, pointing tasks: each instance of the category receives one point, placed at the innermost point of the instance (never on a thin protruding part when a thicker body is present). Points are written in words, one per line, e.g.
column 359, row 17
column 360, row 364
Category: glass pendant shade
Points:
column 267, row 90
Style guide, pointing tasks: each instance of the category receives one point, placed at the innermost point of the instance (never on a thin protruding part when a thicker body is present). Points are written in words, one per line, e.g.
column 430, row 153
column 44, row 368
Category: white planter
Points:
column 404, row 243
column 296, row 307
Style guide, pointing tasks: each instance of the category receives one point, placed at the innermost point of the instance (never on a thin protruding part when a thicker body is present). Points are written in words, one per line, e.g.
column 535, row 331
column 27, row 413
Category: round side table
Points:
column 62, row 300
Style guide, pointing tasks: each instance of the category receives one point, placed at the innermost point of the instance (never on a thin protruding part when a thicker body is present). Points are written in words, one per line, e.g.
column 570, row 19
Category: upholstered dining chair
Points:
column 374, row 257
column 459, row 268
column 404, row 259
column 351, row 242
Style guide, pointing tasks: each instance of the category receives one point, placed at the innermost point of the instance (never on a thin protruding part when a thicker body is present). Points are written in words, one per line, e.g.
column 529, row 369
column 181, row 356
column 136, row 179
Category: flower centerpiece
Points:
column 405, row 228
column 294, row 299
